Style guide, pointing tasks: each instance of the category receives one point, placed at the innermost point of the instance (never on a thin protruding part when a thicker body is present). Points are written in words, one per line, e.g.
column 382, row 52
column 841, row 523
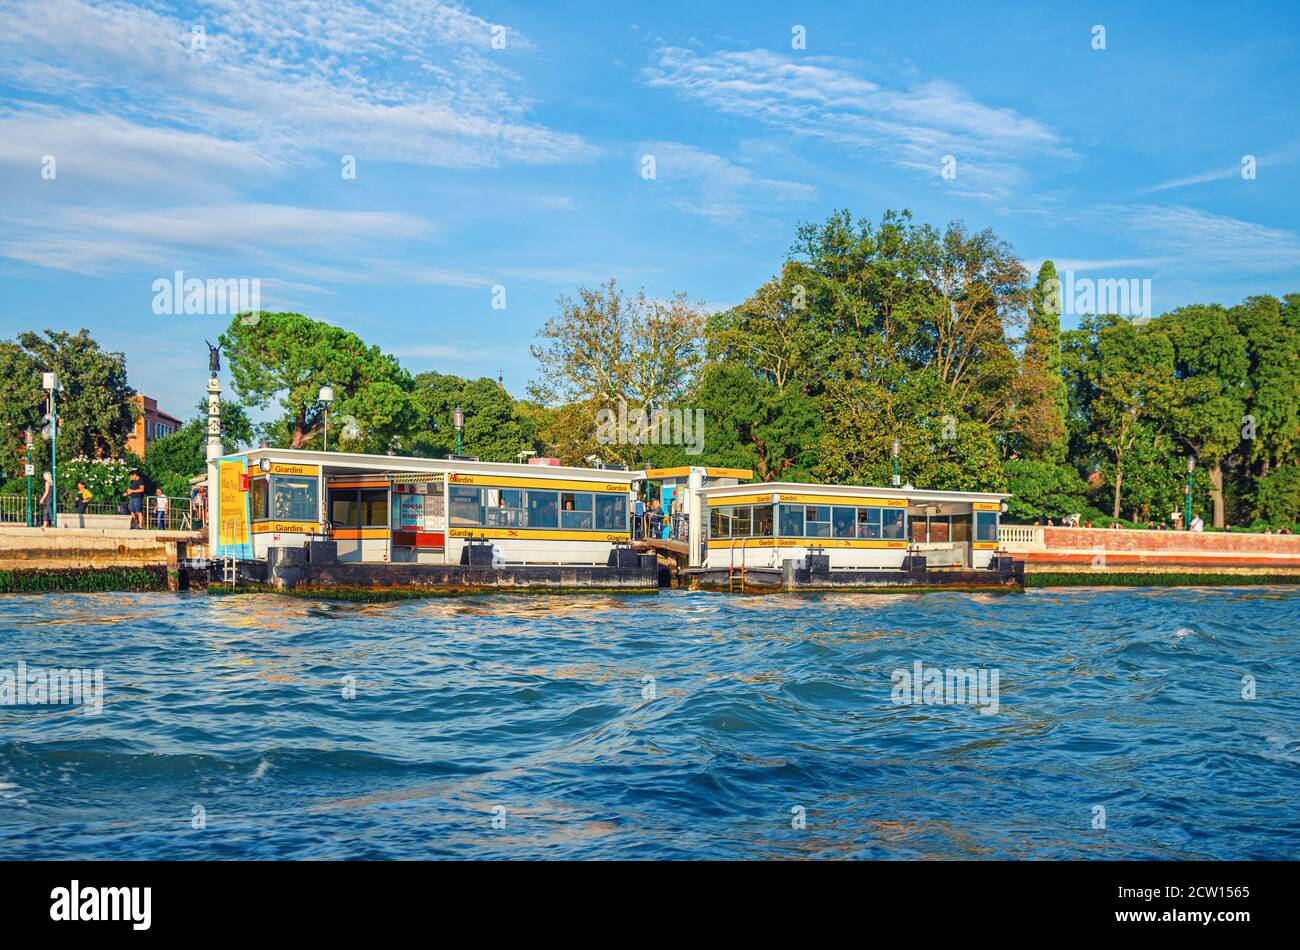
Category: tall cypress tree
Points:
column 1043, row 356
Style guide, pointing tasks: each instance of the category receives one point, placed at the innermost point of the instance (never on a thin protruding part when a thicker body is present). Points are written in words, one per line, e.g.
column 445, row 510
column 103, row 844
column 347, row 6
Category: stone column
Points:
column 215, row 451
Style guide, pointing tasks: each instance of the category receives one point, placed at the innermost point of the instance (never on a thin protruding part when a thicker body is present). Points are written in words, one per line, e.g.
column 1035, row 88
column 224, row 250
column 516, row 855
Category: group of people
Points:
column 1175, row 523
column 651, row 521
column 133, row 503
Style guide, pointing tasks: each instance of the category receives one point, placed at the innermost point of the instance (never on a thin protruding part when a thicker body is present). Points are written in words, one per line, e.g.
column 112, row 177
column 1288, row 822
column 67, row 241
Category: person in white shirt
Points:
column 1198, row 524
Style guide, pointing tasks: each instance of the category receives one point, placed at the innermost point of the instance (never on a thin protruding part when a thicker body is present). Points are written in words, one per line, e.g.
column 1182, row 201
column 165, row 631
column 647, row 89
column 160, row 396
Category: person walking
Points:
column 160, row 504
column 47, row 503
column 1197, row 523
column 84, row 497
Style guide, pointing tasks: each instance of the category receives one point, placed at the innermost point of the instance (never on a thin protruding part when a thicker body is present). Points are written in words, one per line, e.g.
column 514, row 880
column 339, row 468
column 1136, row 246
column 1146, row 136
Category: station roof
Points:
column 349, row 463
column 905, row 493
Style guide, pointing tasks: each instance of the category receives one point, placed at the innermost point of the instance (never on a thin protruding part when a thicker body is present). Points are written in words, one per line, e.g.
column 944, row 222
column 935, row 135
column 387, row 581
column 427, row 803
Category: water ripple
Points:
column 685, row 725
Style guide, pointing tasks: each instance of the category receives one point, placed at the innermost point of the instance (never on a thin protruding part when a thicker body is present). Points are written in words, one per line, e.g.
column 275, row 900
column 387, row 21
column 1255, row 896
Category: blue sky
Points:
column 521, row 167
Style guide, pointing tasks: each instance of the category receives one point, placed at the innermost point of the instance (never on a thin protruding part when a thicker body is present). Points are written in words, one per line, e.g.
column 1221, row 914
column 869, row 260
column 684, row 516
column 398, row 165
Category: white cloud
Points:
column 702, row 183
column 1204, row 242
column 399, row 80
column 820, row 97
column 160, row 237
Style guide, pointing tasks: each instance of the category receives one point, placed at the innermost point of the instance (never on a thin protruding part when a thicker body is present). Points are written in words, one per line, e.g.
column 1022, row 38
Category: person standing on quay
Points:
column 47, row 503
column 135, row 499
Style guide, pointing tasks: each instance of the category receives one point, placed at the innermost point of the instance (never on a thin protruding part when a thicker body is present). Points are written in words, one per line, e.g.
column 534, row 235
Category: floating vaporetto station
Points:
column 799, row 536
column 335, row 520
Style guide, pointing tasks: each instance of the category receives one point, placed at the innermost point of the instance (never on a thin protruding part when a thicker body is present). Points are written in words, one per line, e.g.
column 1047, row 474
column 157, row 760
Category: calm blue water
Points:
column 1130, row 700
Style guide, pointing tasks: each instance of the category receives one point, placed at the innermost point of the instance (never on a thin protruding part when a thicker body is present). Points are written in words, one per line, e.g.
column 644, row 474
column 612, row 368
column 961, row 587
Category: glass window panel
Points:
column 719, row 522
column 844, row 522
column 374, row 508
column 893, row 523
column 504, row 507
column 611, row 513
column 817, row 521
column 543, row 509
column 466, row 506
column 294, row 498
column 345, row 510
column 869, row 523
column 791, row 520
column 762, row 521
column 743, row 524
column 261, row 499
column 939, row 529
column 986, row 526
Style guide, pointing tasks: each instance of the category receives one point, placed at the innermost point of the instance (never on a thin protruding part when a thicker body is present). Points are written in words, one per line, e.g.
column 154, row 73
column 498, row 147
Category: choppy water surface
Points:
column 533, row 712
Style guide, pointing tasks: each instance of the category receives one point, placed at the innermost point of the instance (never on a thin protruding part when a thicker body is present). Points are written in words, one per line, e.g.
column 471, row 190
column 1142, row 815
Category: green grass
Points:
column 1154, row 579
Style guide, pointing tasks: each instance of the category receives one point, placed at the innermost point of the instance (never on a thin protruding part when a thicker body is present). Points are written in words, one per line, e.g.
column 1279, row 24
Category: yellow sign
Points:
column 286, row 527
column 986, row 506
column 233, row 507
column 985, row 545
column 510, row 481
column 281, row 468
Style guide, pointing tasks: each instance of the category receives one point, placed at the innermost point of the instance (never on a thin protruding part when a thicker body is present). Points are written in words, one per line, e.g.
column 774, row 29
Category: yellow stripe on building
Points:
column 567, row 484
column 756, row 544
column 539, row 534
column 286, row 527
column 848, row 501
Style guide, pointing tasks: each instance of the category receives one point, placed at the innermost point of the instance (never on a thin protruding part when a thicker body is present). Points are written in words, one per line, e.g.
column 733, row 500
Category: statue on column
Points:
column 214, row 358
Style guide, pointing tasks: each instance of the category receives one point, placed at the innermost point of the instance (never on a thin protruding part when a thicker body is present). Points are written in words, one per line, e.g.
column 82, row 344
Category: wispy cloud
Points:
column 1203, row 242
column 824, row 98
column 699, row 182
column 158, row 237
column 1268, row 160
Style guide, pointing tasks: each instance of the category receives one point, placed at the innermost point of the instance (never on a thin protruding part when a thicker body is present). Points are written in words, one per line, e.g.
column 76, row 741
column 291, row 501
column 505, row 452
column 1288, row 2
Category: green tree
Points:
column 96, row 415
column 495, row 429
column 289, row 357
column 1041, row 490
column 1210, row 364
column 1043, row 401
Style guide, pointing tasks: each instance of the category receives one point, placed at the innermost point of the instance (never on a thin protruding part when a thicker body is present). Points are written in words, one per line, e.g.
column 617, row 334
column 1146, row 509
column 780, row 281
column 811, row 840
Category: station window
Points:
column 576, row 511
column 762, row 521
column 893, row 523
column 466, row 506
column 986, row 526
column 543, row 509
column 285, row 498
column 345, row 509
column 792, row 521
column 817, row 521
column 869, row 523
column 611, row 513
column 844, row 522
column 504, row 507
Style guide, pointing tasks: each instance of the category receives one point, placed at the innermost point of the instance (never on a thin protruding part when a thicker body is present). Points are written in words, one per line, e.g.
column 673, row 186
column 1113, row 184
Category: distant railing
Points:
column 176, row 516
column 1020, row 534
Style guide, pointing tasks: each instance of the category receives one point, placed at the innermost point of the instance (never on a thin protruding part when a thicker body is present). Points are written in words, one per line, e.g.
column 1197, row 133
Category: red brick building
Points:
column 152, row 424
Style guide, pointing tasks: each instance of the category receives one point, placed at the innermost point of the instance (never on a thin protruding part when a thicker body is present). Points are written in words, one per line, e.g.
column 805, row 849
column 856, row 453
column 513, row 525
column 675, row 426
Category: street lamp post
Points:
column 50, row 382
column 1187, row 503
column 327, row 397
column 894, row 450
column 458, row 423
column 29, row 437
